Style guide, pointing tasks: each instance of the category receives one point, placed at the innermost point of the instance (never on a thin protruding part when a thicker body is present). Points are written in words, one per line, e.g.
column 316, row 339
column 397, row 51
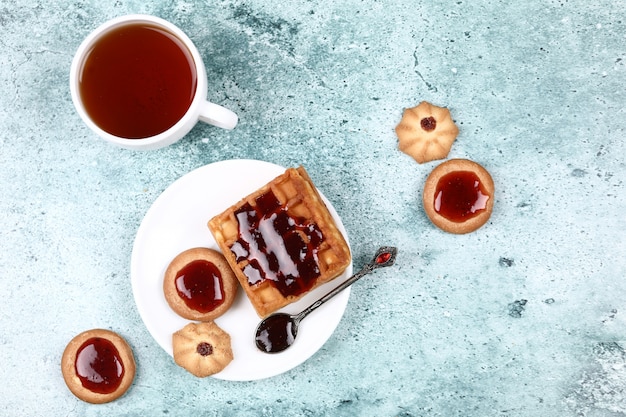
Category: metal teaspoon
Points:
column 277, row 332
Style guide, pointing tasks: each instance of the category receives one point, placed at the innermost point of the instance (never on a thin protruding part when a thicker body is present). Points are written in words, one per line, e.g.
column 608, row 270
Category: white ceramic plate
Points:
column 177, row 221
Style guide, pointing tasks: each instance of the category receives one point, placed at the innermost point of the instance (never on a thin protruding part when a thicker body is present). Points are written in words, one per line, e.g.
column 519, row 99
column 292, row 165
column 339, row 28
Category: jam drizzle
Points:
column 280, row 248
column 460, row 195
column 99, row 365
column 199, row 284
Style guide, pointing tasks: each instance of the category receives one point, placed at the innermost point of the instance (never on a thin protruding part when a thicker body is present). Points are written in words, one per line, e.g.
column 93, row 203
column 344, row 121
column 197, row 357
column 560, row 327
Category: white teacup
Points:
column 199, row 108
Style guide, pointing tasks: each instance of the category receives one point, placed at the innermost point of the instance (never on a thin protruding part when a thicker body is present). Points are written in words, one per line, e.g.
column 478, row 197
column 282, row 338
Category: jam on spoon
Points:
column 277, row 332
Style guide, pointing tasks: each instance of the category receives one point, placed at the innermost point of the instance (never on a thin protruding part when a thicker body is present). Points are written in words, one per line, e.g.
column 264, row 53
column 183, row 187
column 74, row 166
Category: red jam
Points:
column 276, row 333
column 204, row 349
column 280, row 248
column 199, row 284
column 99, row 366
column 428, row 123
column 460, row 195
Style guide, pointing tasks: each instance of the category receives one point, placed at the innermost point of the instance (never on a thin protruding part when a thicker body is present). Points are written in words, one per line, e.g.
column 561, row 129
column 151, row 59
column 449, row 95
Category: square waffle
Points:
column 281, row 241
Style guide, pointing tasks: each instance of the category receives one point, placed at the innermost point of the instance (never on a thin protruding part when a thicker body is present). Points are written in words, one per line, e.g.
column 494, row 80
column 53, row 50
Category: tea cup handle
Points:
column 216, row 115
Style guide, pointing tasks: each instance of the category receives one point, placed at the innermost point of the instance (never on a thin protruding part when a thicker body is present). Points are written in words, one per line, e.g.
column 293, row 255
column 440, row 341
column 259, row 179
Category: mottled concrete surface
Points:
column 525, row 317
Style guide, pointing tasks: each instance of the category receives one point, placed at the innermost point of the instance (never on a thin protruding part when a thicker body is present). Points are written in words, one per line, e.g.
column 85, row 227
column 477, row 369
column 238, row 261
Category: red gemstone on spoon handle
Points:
column 383, row 257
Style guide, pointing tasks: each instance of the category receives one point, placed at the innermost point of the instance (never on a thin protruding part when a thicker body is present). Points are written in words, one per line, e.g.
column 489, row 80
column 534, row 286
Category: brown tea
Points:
column 137, row 81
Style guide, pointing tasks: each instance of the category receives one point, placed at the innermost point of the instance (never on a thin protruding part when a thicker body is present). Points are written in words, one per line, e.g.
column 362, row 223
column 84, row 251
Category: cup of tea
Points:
column 139, row 82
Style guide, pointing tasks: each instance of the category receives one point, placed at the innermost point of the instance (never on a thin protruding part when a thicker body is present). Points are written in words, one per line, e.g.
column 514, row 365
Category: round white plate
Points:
column 178, row 221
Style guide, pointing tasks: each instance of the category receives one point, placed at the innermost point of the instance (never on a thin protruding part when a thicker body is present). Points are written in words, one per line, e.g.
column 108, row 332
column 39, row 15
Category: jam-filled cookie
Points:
column 203, row 349
column 199, row 284
column 458, row 196
column 98, row 366
column 426, row 132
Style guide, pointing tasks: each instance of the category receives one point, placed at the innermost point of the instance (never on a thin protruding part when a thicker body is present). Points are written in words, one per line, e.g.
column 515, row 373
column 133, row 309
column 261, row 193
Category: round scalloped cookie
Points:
column 203, row 349
column 426, row 132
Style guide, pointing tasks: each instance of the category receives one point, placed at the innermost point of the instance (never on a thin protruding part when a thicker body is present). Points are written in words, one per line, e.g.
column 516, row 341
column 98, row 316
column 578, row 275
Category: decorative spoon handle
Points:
column 385, row 256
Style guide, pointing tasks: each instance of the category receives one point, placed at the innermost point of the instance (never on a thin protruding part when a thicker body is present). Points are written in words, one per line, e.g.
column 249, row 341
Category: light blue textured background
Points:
column 525, row 317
